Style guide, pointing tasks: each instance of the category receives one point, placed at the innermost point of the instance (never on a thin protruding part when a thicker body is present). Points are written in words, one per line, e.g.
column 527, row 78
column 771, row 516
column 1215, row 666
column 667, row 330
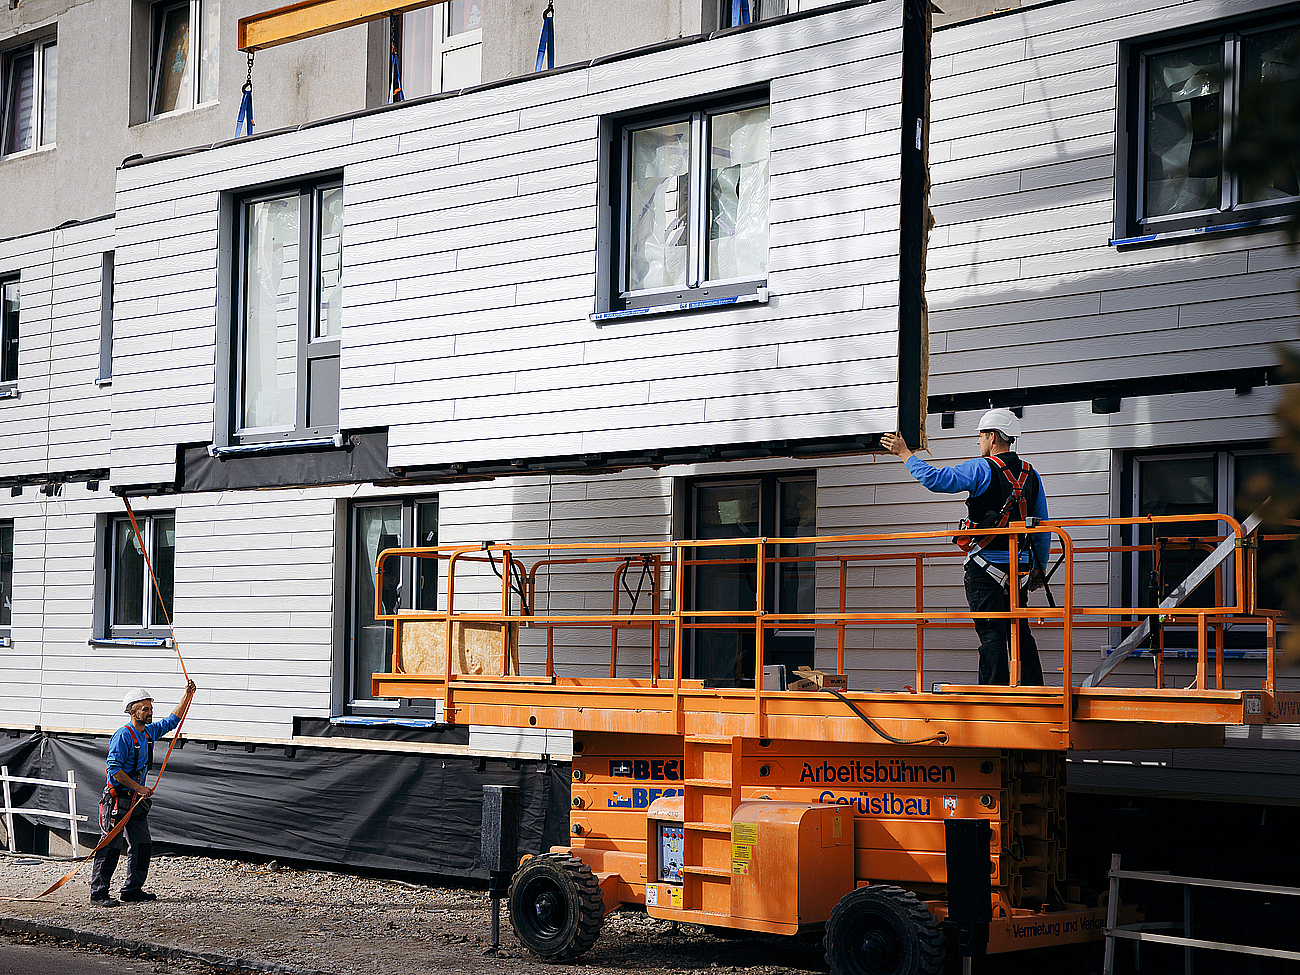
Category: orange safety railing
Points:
column 520, row 591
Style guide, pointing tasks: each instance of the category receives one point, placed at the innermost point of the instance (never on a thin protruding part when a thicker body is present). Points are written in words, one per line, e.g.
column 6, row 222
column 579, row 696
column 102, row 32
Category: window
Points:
column 106, row 319
column 6, row 578
column 1185, row 106
column 692, row 203
column 732, row 13
column 407, row 584
column 768, row 505
column 185, row 52
column 134, row 608
column 29, row 79
column 9, row 307
column 288, row 316
column 442, row 48
column 1199, row 482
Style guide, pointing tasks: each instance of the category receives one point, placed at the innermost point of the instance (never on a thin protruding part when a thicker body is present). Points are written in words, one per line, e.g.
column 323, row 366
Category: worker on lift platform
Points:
column 1002, row 488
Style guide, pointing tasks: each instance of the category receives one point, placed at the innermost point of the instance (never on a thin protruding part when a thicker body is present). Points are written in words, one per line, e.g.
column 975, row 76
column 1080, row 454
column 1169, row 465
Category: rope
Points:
column 113, row 833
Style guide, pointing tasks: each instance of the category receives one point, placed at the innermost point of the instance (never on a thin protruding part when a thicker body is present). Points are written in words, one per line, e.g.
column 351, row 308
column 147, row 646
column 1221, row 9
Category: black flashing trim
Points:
column 1240, row 381
column 63, row 226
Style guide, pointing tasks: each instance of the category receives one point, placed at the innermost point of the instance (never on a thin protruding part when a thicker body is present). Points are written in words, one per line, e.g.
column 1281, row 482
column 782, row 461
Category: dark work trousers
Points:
column 139, row 847
column 987, row 596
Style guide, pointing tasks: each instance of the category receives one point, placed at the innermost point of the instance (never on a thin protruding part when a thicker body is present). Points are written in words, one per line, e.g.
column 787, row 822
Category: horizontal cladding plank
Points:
column 492, row 239
column 1240, row 346
column 880, row 173
column 523, row 155
column 1097, row 192
column 748, row 428
column 1018, row 155
column 750, row 411
column 1017, row 62
column 509, row 204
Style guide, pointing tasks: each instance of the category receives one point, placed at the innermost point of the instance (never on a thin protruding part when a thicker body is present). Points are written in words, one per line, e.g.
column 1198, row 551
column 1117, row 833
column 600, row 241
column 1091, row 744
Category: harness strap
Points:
column 546, row 46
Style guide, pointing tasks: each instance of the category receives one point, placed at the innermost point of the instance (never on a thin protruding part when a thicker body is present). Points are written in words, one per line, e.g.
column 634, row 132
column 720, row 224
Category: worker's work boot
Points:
column 136, row 896
column 103, row 900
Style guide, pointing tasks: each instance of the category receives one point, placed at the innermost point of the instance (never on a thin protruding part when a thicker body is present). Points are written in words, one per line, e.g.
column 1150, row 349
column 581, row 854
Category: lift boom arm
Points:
column 311, row 17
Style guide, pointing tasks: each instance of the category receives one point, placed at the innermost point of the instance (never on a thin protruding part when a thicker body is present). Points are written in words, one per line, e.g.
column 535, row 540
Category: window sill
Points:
column 1191, row 233
column 758, row 297
column 6, row 641
column 24, row 153
column 274, row 446
column 386, row 722
column 104, row 381
column 9, row 392
column 164, row 642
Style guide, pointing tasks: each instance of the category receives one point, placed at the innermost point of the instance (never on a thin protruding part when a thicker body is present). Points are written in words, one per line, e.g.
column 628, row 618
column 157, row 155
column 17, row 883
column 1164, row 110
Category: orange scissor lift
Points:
column 790, row 810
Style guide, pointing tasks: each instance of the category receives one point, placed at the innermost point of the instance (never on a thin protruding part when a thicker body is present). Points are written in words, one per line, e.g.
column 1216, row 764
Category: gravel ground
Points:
column 266, row 917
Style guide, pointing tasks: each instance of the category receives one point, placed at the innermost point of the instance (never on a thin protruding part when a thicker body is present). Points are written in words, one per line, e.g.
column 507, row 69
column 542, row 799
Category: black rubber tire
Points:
column 556, row 907
column 883, row 930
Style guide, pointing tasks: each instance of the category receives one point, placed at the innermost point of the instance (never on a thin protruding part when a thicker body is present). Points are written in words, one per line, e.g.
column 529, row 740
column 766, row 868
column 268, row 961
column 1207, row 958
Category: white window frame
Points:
column 149, row 629
column 40, row 91
column 443, row 44
column 1231, row 210
column 698, row 287
column 157, row 13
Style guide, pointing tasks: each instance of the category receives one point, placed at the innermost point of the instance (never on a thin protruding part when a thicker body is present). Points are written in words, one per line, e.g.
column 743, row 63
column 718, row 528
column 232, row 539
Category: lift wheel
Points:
column 883, row 930
column 556, row 907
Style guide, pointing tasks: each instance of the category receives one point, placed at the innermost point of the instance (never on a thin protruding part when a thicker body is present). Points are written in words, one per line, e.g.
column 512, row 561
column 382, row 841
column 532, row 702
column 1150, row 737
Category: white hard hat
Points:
column 134, row 696
column 1003, row 421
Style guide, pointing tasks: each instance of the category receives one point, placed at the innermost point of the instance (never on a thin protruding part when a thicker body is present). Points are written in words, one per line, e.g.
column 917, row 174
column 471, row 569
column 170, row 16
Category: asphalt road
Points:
column 42, row 959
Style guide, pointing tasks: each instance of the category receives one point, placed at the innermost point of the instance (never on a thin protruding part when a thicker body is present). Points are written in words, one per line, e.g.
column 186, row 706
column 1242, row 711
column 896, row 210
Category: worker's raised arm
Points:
column 180, row 709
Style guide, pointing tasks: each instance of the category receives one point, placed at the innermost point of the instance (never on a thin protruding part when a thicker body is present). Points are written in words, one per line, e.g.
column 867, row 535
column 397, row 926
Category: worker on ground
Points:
column 991, row 481
column 130, row 753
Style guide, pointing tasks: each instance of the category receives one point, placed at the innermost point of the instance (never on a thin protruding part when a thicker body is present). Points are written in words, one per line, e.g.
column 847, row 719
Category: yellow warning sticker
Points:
column 741, row 854
column 675, row 897
column 744, row 833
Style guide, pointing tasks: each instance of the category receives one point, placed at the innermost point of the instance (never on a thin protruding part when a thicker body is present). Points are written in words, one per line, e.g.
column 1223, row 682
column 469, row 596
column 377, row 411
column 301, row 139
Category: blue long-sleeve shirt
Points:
column 124, row 756
column 975, row 476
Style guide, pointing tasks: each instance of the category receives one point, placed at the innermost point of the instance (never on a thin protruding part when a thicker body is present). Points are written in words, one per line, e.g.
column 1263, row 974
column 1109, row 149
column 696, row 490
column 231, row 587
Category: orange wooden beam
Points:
column 311, row 17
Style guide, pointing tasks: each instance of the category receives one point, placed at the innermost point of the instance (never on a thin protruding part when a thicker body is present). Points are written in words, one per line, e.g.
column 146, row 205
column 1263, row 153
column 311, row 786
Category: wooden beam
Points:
column 308, row 18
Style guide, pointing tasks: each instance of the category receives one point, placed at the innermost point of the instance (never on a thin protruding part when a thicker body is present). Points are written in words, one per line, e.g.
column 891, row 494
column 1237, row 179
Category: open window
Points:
column 135, row 609
column 689, row 188
column 407, row 584
column 184, row 55
column 441, row 48
column 29, row 96
column 736, row 13
column 1187, row 97
column 288, row 315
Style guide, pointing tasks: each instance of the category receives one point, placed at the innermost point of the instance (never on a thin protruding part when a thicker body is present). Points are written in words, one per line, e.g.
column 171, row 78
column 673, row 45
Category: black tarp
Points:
column 361, row 809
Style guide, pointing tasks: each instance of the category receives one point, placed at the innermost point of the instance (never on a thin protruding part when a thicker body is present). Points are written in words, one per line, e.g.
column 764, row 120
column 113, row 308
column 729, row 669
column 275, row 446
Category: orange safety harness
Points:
column 112, row 834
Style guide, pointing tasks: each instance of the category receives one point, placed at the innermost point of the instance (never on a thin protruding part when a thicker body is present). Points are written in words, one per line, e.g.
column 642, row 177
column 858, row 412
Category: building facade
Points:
column 355, row 329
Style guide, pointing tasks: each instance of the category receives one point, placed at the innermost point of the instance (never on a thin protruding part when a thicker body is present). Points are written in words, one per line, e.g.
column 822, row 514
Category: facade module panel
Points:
column 516, row 262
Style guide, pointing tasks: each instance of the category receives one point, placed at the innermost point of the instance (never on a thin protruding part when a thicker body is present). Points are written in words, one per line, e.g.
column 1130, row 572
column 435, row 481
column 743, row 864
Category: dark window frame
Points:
column 10, row 332
column 106, row 276
column 197, row 14
column 1228, row 498
column 154, row 627
column 312, row 353
column 613, row 291
column 6, row 577
column 1132, row 223
column 788, row 646
column 404, row 586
